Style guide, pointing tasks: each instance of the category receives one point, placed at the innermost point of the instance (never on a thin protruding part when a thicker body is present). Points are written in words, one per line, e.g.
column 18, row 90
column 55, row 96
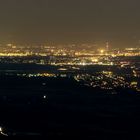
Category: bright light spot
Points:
column 101, row 51
column 44, row 96
column 62, row 69
column 134, row 84
column 94, row 60
column 83, row 63
column 0, row 129
column 111, row 63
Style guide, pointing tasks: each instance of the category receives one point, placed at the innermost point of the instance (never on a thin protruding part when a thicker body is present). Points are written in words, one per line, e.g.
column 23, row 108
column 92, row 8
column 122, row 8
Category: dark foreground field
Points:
column 59, row 107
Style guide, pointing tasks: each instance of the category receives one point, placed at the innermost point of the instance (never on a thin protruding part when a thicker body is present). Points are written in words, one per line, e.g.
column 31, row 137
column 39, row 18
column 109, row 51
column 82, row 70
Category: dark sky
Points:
column 70, row 21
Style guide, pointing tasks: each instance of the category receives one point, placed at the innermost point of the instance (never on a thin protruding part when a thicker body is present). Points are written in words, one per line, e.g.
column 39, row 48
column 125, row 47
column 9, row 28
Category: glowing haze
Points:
column 70, row 21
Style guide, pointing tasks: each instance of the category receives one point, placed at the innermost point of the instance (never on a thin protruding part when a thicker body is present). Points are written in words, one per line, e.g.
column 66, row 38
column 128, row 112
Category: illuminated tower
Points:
column 107, row 46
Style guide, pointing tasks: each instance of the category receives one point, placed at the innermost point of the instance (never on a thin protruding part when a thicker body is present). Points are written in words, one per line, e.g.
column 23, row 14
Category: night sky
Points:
column 70, row 21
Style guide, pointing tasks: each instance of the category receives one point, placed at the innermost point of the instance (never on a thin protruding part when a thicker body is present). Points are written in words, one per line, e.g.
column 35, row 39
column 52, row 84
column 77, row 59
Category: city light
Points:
column 71, row 60
column 101, row 51
column 0, row 129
